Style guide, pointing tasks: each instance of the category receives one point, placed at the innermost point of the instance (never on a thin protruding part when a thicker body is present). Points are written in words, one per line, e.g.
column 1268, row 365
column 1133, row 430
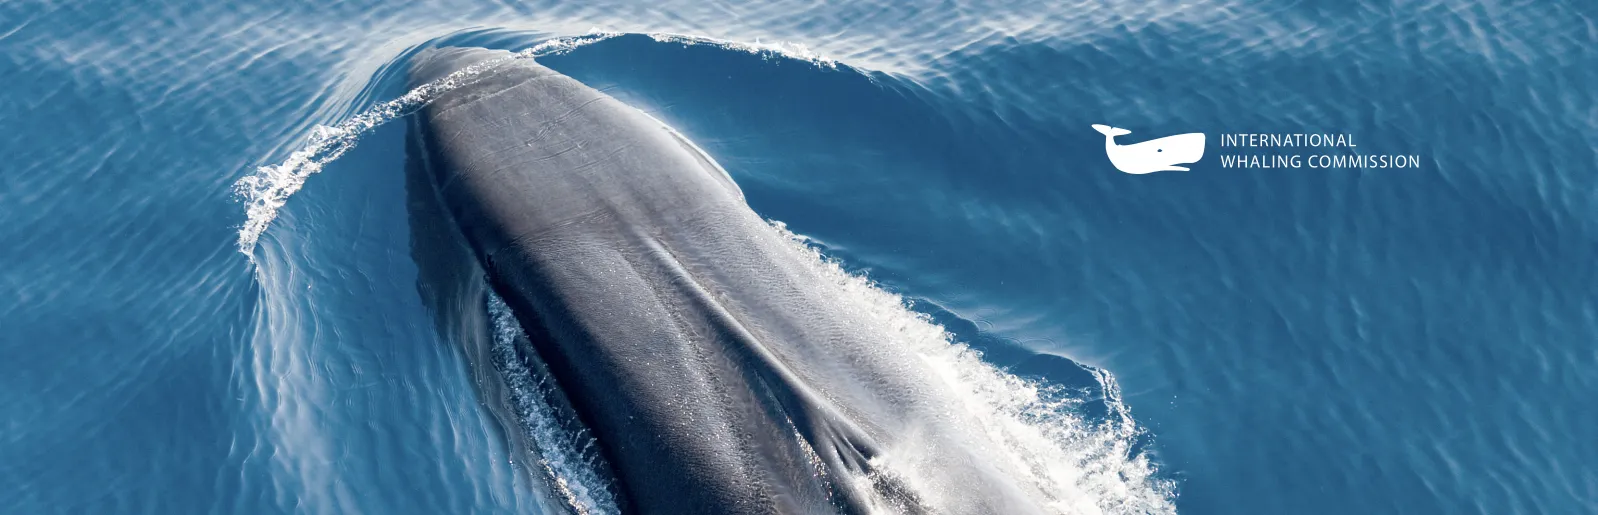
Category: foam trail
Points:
column 1084, row 466
column 571, row 473
column 796, row 51
column 266, row 190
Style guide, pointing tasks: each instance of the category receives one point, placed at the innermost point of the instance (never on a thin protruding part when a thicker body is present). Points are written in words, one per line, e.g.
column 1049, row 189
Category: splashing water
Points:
column 265, row 191
column 795, row 51
column 1082, row 465
column 559, row 448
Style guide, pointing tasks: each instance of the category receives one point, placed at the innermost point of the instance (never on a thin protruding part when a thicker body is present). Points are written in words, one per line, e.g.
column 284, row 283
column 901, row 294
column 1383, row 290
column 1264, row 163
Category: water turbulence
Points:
column 893, row 416
column 1028, row 431
column 269, row 188
column 1074, row 463
column 565, row 453
column 266, row 190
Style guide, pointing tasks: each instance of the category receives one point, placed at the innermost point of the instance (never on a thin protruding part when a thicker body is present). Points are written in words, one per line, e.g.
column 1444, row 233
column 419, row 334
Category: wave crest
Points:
column 269, row 188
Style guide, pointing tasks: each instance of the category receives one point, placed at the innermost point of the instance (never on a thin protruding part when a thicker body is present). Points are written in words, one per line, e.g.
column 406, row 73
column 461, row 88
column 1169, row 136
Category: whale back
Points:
column 714, row 366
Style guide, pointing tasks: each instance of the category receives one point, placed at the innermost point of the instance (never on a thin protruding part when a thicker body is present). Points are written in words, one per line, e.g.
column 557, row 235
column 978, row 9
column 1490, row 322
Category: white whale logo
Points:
column 1155, row 155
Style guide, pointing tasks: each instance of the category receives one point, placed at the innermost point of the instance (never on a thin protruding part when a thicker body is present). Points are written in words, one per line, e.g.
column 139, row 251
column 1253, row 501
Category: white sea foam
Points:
column 788, row 49
column 577, row 479
column 1079, row 465
column 269, row 188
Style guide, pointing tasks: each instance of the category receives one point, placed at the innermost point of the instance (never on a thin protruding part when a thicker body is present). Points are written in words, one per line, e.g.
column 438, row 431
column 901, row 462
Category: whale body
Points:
column 687, row 333
column 1155, row 155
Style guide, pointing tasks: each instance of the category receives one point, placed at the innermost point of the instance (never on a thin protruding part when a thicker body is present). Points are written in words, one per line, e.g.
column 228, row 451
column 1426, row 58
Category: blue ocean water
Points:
column 1283, row 340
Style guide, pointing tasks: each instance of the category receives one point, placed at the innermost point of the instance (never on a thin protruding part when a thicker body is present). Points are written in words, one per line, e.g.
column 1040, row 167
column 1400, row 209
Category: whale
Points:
column 717, row 368
column 1155, row 155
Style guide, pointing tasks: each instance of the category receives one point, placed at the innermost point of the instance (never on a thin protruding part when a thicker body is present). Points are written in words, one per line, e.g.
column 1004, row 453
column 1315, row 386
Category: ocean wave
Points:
column 788, row 49
column 269, row 188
